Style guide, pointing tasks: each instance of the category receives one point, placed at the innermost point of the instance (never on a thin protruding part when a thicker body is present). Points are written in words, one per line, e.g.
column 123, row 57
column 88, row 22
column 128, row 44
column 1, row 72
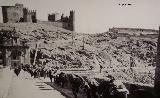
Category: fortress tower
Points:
column 72, row 20
column 18, row 13
column 25, row 13
column 53, row 17
column 32, row 15
column 12, row 13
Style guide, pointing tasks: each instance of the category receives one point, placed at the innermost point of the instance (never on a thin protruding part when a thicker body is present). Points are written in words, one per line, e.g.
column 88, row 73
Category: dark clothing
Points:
column 50, row 75
column 17, row 71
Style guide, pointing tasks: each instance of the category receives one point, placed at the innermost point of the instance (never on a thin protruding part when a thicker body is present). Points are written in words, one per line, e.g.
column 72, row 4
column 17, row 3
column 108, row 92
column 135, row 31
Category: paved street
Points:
column 24, row 86
column 5, row 80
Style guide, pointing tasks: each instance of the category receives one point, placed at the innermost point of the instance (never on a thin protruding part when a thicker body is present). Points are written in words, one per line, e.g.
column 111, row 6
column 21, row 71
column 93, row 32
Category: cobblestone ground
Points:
column 24, row 86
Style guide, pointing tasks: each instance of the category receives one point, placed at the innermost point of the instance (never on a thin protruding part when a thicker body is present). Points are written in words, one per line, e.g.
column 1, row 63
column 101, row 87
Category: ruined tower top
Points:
column 19, row 5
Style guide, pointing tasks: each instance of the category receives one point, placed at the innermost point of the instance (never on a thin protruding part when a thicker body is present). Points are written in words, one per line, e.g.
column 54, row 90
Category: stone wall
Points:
column 66, row 22
column 58, row 24
column 18, row 13
column 133, row 31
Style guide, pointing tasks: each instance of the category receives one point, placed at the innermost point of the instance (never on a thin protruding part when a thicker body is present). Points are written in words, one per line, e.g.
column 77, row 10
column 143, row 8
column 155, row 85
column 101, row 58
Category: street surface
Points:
column 5, row 80
column 24, row 86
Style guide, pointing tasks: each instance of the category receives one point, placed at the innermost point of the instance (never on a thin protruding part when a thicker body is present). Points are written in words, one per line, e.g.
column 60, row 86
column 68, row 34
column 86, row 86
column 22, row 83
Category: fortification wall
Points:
column 67, row 26
column 133, row 31
column 66, row 22
column 57, row 24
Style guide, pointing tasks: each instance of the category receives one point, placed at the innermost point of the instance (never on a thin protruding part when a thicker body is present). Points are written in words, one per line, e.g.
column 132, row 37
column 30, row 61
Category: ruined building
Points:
column 66, row 22
column 14, row 51
column 18, row 13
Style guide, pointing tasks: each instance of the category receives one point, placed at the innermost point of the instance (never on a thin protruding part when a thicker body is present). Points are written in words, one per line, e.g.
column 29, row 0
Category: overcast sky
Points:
column 94, row 16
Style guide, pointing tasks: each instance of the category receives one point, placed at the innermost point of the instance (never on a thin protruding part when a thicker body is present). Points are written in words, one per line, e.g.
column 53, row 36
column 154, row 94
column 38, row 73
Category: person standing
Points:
column 50, row 75
column 17, row 70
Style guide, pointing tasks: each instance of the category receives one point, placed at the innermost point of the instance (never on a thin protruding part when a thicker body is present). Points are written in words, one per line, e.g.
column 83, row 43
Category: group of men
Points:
column 92, row 87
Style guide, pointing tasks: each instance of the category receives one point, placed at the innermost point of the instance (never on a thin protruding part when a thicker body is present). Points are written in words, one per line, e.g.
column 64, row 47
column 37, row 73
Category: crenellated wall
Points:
column 18, row 13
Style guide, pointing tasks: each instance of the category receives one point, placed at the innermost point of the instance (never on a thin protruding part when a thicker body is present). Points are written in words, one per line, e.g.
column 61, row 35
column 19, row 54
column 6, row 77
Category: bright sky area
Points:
column 96, row 16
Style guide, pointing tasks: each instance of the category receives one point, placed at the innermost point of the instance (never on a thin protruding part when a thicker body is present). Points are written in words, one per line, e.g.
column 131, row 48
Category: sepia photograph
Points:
column 79, row 49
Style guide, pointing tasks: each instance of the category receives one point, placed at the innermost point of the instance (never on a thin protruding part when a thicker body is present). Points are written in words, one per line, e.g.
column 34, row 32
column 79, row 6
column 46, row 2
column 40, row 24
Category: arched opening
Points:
column 15, row 58
column 15, row 55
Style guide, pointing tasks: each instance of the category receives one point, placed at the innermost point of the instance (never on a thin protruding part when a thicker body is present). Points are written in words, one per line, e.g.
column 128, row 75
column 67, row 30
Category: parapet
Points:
column 32, row 11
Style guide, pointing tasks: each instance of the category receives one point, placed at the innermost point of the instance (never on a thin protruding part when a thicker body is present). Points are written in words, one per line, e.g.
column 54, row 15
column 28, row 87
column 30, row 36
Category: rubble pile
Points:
column 130, row 58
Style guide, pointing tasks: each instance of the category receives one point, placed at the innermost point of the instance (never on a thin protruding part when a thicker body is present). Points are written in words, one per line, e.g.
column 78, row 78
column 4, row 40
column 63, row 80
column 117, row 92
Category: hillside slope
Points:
column 129, row 58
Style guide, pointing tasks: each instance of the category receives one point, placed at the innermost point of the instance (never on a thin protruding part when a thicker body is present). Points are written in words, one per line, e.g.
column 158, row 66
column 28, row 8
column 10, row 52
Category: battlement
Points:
column 32, row 11
column 19, row 13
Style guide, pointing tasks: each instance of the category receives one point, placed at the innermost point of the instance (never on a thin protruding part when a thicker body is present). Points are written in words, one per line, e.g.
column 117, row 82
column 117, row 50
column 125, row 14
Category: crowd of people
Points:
column 92, row 87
